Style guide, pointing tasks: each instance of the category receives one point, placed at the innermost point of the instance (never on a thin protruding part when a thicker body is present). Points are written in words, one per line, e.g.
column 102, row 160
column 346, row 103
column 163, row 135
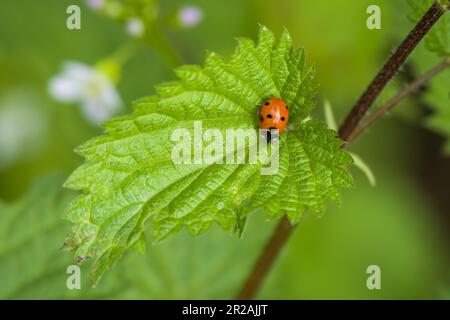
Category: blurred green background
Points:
column 402, row 224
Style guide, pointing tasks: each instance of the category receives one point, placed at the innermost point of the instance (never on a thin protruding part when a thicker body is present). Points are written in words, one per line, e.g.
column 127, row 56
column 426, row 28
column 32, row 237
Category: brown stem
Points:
column 390, row 69
column 265, row 261
column 410, row 89
column 284, row 229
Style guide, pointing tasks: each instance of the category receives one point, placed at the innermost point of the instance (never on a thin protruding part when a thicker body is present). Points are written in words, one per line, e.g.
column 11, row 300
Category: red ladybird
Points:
column 273, row 114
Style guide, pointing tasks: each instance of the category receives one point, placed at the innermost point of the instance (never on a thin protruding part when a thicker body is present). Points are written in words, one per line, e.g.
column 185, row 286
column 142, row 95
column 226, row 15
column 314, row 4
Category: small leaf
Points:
column 329, row 116
column 364, row 167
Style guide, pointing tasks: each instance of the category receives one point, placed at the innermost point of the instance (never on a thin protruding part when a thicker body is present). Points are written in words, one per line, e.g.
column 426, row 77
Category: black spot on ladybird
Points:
column 267, row 103
column 269, row 116
column 261, row 118
column 287, row 107
column 283, row 118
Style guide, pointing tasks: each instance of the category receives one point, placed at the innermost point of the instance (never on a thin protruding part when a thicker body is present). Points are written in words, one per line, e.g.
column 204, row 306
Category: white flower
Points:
column 135, row 27
column 190, row 16
column 95, row 4
column 91, row 88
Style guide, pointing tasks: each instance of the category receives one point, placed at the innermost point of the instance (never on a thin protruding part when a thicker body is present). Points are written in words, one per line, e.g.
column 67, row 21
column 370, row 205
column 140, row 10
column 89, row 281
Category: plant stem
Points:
column 284, row 229
column 163, row 47
column 265, row 261
column 410, row 89
column 125, row 53
column 390, row 69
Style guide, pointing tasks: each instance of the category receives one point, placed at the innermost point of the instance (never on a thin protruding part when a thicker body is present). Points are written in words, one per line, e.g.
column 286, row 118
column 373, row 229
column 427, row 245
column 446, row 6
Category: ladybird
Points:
column 273, row 115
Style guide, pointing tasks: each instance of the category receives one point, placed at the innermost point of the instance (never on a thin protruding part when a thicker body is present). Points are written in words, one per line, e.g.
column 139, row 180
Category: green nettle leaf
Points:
column 32, row 265
column 129, row 181
column 438, row 39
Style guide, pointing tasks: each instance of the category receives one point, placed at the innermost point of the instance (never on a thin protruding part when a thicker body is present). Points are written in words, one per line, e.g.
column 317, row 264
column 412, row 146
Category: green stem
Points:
column 164, row 48
column 124, row 54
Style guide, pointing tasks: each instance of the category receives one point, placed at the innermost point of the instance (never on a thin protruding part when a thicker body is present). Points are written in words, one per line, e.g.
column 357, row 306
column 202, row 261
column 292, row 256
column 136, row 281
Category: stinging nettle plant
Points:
column 129, row 183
